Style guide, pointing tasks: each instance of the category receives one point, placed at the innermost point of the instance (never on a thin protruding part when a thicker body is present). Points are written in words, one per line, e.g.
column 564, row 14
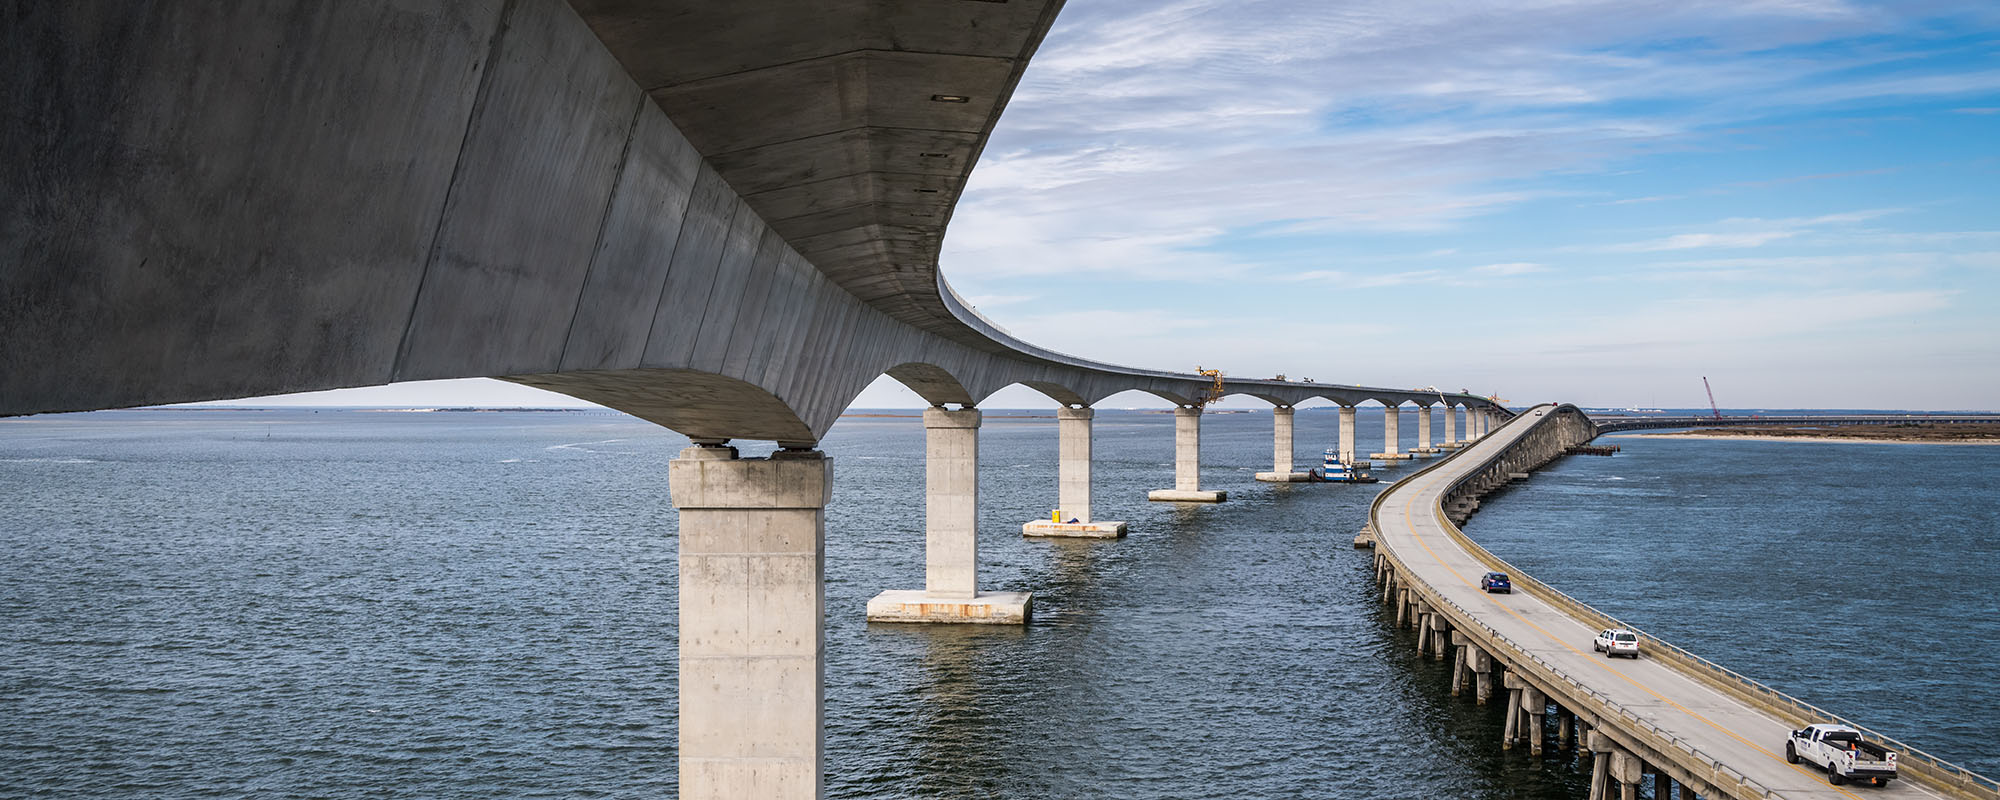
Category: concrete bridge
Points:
column 1670, row 717
column 723, row 218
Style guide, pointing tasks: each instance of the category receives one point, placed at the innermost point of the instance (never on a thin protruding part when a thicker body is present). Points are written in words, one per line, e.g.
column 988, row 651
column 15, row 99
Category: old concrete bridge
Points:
column 720, row 217
column 1672, row 717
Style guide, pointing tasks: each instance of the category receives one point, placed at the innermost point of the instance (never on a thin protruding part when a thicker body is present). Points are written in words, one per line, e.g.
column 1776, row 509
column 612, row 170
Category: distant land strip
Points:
column 1913, row 433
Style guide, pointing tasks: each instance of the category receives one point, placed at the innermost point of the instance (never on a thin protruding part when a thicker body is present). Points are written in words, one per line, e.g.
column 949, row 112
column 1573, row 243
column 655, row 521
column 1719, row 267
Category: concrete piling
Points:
column 1424, row 430
column 1346, row 446
column 1535, row 715
column 1392, row 419
column 1281, row 449
column 1512, row 731
column 752, row 630
column 1187, row 462
column 1073, row 488
column 951, row 535
column 1482, row 675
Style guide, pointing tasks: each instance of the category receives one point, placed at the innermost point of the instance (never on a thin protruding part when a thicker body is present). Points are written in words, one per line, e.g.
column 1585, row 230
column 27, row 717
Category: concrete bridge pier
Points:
column 1440, row 637
column 1512, row 732
column 1482, row 674
column 1526, row 715
column 1346, row 447
column 1424, row 447
column 1461, row 665
column 951, row 535
column 1187, row 462
column 1614, row 770
column 1073, row 446
column 1392, row 435
column 1535, row 708
column 752, row 635
column 1451, row 428
column 1281, row 449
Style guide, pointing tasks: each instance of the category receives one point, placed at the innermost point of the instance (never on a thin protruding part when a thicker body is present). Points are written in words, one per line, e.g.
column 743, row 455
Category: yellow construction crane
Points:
column 1211, row 393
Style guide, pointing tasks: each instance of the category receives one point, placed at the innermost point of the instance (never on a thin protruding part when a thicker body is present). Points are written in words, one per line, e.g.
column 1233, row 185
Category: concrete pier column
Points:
column 951, row 535
column 1460, row 670
column 1281, row 449
column 1392, row 435
column 1612, row 767
column 1346, row 447
column 1424, row 431
column 1534, row 718
column 1482, row 675
column 752, row 637
column 1073, row 446
column 951, row 503
column 1512, row 732
column 1187, row 462
column 1625, row 769
column 1450, row 426
column 1565, row 727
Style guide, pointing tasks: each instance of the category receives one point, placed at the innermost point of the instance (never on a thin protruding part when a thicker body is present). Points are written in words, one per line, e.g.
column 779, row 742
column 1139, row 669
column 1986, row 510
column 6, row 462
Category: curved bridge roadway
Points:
column 1411, row 526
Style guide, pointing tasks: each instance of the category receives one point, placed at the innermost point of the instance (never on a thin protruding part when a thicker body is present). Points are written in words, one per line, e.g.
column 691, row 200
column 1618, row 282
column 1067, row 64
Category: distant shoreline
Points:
column 1746, row 437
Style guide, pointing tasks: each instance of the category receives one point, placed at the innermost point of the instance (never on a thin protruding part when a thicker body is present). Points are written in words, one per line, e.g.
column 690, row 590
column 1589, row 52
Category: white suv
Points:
column 1617, row 642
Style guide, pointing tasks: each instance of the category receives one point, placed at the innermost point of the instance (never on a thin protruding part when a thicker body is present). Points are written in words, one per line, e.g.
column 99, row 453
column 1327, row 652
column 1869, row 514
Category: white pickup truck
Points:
column 1840, row 751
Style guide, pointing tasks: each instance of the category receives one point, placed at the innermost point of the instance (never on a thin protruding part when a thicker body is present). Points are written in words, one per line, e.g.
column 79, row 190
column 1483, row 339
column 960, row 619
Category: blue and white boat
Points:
column 1333, row 471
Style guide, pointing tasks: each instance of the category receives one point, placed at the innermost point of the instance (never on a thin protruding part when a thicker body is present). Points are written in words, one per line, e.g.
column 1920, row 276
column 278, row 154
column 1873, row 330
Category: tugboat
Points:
column 1333, row 471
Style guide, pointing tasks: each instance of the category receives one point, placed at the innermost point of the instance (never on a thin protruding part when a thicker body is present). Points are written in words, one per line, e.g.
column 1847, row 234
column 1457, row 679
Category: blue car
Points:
column 1496, row 582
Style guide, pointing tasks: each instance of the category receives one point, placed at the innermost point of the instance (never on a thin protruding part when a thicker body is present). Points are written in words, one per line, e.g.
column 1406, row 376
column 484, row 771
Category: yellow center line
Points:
column 1410, row 521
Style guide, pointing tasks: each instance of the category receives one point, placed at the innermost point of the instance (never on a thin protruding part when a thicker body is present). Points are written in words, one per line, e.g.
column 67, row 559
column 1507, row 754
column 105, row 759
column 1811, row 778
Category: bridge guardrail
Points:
column 1660, row 736
column 1647, row 729
column 1929, row 769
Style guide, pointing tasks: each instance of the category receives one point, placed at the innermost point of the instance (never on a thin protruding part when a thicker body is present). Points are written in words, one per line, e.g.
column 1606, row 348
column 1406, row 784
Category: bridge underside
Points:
column 720, row 217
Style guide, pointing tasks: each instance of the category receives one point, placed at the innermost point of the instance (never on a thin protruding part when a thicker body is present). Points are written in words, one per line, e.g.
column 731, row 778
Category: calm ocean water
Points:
column 472, row 605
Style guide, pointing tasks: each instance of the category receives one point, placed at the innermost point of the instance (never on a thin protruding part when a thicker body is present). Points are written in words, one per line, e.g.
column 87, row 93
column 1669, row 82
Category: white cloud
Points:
column 1510, row 268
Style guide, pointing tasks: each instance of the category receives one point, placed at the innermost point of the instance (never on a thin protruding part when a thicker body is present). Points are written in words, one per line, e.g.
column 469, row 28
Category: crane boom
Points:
column 1711, row 398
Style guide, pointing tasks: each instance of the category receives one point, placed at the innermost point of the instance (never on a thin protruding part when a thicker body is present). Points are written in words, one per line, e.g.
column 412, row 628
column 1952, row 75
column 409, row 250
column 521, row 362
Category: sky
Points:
column 1594, row 202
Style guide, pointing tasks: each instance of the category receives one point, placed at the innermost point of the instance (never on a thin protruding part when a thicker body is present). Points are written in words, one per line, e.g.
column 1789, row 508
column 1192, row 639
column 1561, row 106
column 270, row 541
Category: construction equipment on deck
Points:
column 1211, row 393
column 1711, row 398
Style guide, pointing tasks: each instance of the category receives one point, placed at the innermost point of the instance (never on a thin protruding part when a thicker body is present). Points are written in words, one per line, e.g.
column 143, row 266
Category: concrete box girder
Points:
column 869, row 88
column 856, row 151
column 664, row 44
